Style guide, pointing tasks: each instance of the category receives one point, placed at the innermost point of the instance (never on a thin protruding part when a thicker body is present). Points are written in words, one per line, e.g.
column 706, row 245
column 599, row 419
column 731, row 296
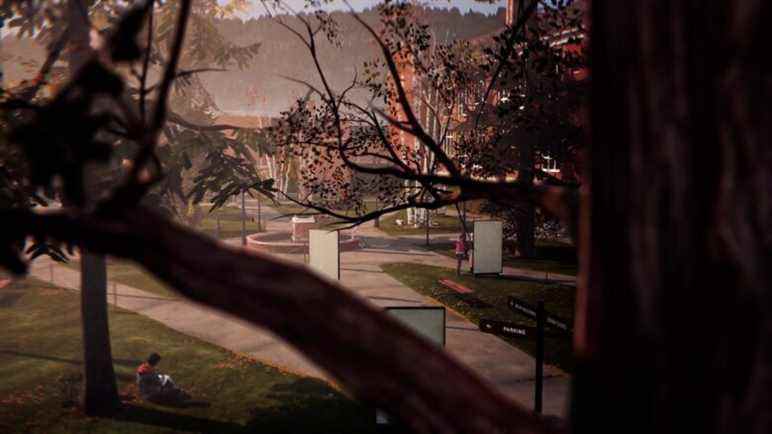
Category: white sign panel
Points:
column 324, row 252
column 488, row 247
column 427, row 321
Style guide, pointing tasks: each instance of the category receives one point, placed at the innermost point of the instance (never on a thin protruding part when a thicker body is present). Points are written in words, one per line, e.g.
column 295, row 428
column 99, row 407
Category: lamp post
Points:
column 243, row 220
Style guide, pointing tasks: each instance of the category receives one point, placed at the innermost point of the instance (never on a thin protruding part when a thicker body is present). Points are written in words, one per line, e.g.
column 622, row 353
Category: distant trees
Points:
column 287, row 57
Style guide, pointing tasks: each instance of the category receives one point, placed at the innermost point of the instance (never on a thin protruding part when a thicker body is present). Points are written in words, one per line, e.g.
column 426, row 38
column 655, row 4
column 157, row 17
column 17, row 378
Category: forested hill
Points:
column 261, row 87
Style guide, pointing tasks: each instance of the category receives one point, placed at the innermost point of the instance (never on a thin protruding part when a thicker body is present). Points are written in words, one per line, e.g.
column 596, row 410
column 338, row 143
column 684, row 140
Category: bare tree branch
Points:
column 509, row 49
column 146, row 62
column 159, row 113
column 418, row 130
column 53, row 55
column 177, row 119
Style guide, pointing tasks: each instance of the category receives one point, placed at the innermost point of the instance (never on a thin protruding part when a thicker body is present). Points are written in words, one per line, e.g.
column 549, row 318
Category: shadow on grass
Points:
column 178, row 422
column 122, row 362
column 310, row 406
column 553, row 282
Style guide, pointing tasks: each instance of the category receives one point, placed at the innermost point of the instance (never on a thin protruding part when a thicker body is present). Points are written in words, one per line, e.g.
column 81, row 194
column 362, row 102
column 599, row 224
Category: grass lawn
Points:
column 558, row 300
column 128, row 273
column 290, row 208
column 445, row 223
column 230, row 218
column 551, row 256
column 40, row 364
column 230, row 223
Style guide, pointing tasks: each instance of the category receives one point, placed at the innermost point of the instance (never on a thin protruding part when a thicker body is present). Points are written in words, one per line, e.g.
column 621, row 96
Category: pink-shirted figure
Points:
column 462, row 249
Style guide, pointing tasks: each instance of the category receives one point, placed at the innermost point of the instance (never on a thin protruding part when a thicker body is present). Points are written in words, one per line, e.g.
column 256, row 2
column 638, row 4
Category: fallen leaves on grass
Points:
column 236, row 361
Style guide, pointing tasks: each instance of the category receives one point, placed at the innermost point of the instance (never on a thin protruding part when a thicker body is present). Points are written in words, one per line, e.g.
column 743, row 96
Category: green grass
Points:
column 41, row 361
column 289, row 208
column 551, row 257
column 558, row 300
column 230, row 223
column 445, row 223
column 128, row 273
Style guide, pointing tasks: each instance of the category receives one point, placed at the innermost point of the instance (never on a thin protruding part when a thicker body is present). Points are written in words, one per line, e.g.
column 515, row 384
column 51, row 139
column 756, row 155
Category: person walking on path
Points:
column 462, row 250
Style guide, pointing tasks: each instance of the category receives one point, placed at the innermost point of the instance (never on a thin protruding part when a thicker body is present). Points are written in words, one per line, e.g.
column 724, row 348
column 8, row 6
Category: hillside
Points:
column 263, row 88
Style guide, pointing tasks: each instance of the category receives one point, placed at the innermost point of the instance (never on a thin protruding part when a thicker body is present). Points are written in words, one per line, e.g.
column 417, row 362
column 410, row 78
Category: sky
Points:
column 462, row 5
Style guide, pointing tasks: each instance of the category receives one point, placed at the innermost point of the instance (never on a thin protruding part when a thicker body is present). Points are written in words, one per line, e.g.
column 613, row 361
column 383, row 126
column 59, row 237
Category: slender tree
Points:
column 99, row 393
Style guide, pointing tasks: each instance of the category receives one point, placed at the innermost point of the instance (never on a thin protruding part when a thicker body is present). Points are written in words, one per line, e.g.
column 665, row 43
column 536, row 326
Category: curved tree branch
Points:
column 371, row 354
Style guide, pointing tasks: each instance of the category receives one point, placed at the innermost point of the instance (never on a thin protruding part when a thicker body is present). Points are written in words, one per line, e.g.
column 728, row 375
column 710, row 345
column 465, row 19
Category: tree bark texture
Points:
column 100, row 393
column 674, row 331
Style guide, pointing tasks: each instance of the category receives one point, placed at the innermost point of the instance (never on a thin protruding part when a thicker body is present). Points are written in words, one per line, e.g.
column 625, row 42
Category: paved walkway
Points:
column 508, row 368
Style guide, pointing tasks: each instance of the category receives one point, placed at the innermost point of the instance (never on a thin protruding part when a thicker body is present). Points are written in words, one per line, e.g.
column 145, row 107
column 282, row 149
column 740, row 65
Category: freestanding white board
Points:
column 427, row 321
column 488, row 247
column 324, row 252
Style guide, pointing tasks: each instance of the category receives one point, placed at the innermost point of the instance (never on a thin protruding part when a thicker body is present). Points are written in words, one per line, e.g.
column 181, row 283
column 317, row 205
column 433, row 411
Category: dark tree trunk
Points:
column 674, row 331
column 100, row 394
column 525, row 219
column 526, row 212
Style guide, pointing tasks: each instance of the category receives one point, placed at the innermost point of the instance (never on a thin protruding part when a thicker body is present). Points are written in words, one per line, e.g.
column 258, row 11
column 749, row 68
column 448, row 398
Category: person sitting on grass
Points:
column 153, row 385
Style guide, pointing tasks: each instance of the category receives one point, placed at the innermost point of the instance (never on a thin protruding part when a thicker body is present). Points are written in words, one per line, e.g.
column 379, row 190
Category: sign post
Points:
column 530, row 311
column 539, row 387
column 504, row 328
column 543, row 319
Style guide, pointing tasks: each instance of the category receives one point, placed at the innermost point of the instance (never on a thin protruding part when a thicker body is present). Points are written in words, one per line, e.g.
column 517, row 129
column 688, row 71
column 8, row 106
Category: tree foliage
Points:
column 443, row 122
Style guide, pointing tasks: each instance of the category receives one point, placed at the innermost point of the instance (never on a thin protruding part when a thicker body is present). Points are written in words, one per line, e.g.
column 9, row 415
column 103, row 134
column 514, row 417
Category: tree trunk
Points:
column 674, row 325
column 100, row 394
column 427, row 221
column 526, row 212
